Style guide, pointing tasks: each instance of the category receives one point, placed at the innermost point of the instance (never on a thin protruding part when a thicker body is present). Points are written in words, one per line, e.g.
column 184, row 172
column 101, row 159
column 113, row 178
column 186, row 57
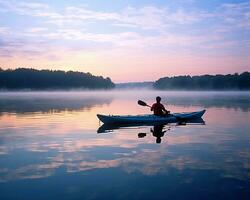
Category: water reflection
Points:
column 61, row 153
column 45, row 102
column 25, row 102
column 158, row 132
column 230, row 100
column 157, row 129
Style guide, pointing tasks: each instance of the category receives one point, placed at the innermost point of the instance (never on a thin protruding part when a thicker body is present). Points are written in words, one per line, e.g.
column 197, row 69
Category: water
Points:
column 50, row 148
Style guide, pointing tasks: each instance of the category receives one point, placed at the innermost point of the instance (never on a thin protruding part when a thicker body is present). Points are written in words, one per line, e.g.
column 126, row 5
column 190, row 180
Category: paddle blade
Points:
column 142, row 103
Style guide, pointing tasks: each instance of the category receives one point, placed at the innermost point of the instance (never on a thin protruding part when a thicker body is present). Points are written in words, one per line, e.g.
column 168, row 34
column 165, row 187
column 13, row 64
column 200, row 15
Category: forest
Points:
column 32, row 79
column 205, row 82
column 24, row 78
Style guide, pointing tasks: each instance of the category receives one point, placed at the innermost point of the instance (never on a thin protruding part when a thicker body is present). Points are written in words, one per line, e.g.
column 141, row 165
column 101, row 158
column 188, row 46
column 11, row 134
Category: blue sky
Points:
column 122, row 39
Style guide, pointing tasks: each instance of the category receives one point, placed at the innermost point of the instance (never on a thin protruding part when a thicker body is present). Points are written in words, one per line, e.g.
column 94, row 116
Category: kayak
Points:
column 147, row 119
column 106, row 128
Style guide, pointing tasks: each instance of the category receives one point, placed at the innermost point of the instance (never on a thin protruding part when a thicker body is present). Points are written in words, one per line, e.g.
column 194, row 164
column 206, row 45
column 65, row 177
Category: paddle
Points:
column 142, row 103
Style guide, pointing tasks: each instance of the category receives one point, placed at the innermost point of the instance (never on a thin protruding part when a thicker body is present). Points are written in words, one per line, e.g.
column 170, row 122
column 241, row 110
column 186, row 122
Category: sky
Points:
column 127, row 41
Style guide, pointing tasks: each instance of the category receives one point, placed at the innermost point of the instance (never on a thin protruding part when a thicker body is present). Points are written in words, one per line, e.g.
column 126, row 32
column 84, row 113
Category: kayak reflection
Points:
column 158, row 130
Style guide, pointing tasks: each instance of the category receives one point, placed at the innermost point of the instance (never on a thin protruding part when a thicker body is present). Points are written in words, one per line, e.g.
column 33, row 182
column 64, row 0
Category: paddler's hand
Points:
column 167, row 112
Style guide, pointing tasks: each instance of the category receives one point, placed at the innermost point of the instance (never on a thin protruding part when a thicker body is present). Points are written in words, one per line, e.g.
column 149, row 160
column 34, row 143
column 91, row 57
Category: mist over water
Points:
column 49, row 147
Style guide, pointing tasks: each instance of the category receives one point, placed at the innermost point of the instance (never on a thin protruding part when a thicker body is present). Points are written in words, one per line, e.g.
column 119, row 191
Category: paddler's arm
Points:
column 152, row 107
column 164, row 109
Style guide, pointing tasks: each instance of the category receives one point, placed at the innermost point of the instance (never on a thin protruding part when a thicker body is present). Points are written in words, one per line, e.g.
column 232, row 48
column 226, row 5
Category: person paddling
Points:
column 158, row 108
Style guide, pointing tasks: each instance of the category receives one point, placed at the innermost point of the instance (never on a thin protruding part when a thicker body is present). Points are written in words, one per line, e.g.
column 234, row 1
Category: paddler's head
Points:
column 158, row 99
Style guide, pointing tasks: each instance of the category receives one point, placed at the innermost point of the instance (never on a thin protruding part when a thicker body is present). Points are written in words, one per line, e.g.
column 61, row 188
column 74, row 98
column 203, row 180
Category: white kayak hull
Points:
column 145, row 119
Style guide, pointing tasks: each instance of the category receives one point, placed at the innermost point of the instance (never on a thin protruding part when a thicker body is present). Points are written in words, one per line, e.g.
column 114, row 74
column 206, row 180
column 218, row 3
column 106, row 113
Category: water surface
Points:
column 50, row 148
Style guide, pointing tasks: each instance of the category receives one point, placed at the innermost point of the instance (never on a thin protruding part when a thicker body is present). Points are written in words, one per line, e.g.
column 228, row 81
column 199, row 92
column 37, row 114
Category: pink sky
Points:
column 126, row 42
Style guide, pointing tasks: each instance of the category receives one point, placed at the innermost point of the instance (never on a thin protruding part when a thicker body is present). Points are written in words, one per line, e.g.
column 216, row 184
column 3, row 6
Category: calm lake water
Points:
column 50, row 148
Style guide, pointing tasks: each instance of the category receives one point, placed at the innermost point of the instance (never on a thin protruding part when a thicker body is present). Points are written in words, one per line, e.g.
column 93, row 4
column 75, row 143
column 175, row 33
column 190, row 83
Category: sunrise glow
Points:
column 126, row 40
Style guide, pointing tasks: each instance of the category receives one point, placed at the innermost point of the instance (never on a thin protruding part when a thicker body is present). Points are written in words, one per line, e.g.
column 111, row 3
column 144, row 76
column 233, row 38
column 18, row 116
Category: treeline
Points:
column 205, row 82
column 23, row 78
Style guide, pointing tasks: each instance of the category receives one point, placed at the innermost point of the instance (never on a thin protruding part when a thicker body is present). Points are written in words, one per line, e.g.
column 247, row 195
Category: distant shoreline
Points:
column 32, row 79
column 229, row 82
column 24, row 79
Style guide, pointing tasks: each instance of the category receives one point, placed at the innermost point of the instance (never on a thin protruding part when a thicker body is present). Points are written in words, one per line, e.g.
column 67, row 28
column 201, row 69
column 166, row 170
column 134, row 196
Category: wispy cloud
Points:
column 237, row 15
column 4, row 30
column 148, row 29
column 146, row 17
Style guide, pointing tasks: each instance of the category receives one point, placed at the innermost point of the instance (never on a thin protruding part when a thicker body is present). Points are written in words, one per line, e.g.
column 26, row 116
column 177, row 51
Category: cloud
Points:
column 146, row 17
column 4, row 30
column 32, row 5
column 37, row 30
column 237, row 14
column 143, row 30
